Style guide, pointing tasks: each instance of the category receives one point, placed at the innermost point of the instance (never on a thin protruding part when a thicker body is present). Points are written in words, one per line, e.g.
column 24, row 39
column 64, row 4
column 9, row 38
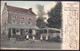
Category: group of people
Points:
column 41, row 37
column 30, row 34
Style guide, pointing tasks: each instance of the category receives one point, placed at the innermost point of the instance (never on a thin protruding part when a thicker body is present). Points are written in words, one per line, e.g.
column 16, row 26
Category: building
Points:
column 17, row 21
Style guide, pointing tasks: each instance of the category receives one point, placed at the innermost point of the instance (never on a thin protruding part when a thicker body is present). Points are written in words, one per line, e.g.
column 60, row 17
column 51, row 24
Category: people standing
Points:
column 27, row 37
column 46, row 38
column 41, row 38
column 30, row 33
column 33, row 33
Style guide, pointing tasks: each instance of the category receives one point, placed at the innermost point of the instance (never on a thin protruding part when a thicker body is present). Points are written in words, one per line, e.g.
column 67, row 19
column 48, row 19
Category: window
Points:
column 30, row 21
column 14, row 16
column 15, row 12
column 14, row 19
column 22, row 20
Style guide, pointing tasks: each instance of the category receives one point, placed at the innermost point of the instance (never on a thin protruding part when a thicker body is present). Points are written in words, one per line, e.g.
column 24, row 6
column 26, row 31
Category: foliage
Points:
column 40, row 9
column 55, row 14
column 41, row 23
column 40, row 19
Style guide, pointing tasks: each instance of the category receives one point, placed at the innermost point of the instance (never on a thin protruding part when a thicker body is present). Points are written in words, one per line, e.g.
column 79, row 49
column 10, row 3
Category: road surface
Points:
column 37, row 44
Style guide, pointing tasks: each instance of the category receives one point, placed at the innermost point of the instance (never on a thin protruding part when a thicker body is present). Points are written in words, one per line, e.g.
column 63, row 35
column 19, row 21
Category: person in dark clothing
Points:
column 9, row 34
column 30, row 32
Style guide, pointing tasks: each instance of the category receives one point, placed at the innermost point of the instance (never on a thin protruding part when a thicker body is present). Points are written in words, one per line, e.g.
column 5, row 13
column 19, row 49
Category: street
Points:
column 37, row 44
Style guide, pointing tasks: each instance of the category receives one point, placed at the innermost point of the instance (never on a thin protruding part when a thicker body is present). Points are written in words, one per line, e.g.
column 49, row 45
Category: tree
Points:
column 40, row 20
column 55, row 14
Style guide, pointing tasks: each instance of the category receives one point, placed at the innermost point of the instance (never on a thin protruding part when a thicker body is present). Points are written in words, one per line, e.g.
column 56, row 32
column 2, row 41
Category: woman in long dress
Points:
column 27, row 37
column 41, row 38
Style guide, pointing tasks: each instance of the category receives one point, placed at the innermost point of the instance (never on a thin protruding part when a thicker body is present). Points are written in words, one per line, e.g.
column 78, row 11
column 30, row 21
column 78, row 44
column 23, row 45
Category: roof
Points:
column 52, row 29
column 17, row 9
column 22, row 26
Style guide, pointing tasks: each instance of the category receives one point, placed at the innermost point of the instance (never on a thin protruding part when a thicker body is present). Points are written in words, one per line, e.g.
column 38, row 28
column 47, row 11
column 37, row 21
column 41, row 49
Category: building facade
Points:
column 17, row 21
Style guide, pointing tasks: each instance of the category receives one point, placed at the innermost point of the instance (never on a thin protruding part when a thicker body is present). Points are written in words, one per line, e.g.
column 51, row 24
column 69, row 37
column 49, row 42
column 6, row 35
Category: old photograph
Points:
column 38, row 25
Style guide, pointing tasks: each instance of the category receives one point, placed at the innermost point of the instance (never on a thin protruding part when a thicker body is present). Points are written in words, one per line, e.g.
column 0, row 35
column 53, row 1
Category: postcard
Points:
column 40, row 25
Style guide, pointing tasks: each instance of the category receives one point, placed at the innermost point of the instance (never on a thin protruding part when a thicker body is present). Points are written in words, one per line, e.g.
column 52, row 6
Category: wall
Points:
column 19, row 15
column 4, row 19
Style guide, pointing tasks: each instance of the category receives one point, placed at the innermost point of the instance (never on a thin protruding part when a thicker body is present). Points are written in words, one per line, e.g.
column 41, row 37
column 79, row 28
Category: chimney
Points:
column 30, row 9
column 5, row 3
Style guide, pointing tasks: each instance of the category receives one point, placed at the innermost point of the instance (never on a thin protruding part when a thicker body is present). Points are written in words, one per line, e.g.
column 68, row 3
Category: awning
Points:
column 22, row 26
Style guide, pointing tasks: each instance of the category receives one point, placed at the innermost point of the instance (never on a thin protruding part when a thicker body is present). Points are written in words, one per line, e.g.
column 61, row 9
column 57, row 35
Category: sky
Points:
column 30, row 4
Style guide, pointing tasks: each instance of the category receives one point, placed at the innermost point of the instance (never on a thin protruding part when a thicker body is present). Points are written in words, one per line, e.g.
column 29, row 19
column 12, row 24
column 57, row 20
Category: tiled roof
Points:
column 17, row 9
